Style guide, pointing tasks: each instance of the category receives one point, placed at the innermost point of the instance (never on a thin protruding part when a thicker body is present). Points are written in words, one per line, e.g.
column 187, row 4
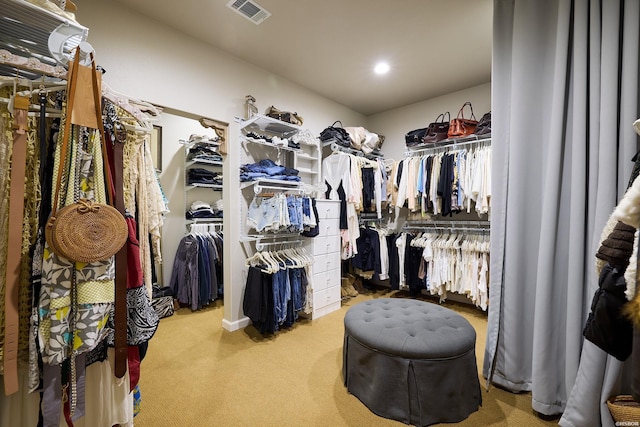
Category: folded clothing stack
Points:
column 203, row 176
column 206, row 152
column 203, row 210
column 204, row 139
column 267, row 169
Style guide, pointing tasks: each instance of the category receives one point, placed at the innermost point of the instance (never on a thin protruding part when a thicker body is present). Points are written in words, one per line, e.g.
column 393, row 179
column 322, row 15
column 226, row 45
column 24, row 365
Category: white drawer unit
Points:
column 325, row 250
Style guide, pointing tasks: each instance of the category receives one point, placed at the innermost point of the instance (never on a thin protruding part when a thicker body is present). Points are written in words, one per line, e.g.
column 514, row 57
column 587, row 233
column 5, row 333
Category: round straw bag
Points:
column 86, row 231
column 624, row 409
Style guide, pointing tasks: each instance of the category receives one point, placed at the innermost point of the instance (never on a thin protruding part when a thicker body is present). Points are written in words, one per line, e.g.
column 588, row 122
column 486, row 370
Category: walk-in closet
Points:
column 320, row 213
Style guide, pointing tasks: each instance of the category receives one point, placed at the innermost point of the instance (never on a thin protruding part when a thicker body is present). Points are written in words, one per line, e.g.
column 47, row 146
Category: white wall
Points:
column 149, row 61
column 394, row 124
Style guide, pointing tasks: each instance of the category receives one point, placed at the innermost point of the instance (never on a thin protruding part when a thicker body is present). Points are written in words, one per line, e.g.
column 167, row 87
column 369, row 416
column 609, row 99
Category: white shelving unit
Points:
column 306, row 159
column 30, row 31
column 325, row 250
column 241, row 241
column 209, row 193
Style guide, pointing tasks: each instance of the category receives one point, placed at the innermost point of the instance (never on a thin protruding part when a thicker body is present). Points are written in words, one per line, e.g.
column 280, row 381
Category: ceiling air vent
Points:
column 250, row 10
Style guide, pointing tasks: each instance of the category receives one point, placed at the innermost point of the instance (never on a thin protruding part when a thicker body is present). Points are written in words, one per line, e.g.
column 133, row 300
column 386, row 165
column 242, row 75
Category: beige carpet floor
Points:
column 197, row 374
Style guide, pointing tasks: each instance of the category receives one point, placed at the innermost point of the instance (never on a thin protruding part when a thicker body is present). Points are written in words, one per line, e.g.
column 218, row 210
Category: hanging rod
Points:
column 449, row 224
column 259, row 188
column 204, row 227
column 448, row 230
column 278, row 239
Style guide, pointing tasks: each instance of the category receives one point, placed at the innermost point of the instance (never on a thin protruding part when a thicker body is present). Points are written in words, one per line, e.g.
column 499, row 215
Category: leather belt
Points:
column 120, row 321
column 16, row 218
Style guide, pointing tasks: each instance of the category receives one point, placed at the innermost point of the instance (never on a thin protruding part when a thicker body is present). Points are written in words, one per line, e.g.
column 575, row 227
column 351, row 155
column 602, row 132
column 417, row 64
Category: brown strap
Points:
column 461, row 112
column 120, row 321
column 71, row 90
column 97, row 102
column 120, row 309
column 71, row 94
column 16, row 218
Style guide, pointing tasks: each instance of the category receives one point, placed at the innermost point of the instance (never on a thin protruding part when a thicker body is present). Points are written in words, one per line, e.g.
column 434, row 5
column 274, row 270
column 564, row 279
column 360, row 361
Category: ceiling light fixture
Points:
column 381, row 68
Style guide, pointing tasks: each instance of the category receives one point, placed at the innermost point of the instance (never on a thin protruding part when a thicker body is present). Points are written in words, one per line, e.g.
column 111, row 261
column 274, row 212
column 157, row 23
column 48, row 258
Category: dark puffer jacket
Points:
column 606, row 327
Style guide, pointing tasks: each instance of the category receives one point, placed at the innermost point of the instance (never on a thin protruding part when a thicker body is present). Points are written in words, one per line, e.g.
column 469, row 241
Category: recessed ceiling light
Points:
column 381, row 68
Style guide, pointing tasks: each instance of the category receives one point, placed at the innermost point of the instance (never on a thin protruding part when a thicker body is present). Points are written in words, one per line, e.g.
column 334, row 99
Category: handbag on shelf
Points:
column 336, row 134
column 84, row 231
column 284, row 116
column 414, row 137
column 461, row 126
column 437, row 130
column 484, row 125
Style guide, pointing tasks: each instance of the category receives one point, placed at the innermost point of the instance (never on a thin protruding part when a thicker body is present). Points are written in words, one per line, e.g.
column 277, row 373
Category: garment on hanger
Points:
column 196, row 278
column 443, row 261
column 281, row 213
column 447, row 182
column 276, row 289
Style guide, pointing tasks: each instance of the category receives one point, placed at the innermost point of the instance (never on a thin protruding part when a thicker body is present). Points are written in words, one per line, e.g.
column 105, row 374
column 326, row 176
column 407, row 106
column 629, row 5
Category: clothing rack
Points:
column 263, row 241
column 260, row 246
column 445, row 146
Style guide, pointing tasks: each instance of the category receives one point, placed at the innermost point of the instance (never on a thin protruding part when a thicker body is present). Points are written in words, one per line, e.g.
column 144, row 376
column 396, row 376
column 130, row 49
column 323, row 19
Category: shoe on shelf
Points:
column 251, row 136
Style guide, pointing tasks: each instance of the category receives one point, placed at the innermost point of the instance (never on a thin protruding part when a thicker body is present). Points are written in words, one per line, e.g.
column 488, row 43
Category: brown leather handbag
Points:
column 461, row 126
column 437, row 130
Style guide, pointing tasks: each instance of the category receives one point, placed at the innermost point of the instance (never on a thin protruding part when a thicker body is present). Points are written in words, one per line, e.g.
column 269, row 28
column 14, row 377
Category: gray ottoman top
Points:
column 409, row 328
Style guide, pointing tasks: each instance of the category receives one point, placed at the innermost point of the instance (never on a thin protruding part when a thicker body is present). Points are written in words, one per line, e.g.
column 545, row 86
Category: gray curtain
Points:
column 565, row 96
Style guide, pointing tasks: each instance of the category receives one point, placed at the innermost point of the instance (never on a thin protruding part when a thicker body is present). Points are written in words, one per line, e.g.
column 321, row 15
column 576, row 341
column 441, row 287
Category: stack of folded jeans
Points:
column 203, row 176
column 204, row 152
column 267, row 169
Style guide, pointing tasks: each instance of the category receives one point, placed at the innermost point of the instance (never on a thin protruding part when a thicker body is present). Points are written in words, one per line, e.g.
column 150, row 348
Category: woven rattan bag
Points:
column 624, row 409
column 84, row 231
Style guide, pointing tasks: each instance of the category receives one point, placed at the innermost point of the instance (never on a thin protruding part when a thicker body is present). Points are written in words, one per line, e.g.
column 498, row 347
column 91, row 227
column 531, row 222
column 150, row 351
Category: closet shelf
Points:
column 307, row 156
column 335, row 147
column 204, row 221
column 267, row 144
column 189, row 144
column 197, row 185
column 29, row 30
column 449, row 143
column 273, row 183
column 204, row 162
column 307, row 171
column 268, row 124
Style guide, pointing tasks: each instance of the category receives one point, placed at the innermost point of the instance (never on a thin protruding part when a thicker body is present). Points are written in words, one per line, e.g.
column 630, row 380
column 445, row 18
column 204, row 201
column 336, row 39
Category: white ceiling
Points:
column 434, row 47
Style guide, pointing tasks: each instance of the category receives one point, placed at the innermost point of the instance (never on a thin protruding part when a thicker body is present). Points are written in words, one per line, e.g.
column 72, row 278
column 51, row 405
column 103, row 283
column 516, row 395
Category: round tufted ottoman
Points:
column 411, row 361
